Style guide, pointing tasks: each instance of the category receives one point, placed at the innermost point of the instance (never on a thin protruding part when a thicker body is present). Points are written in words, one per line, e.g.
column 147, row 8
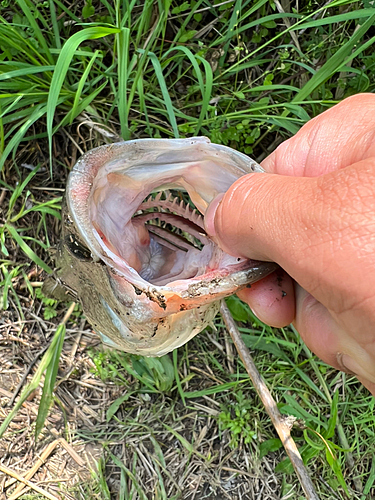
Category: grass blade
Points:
column 81, row 85
column 49, row 381
column 348, row 16
column 38, row 112
column 131, row 476
column 38, row 33
column 185, row 443
column 333, row 418
column 62, row 66
column 164, row 90
column 44, row 363
column 122, row 89
column 56, row 31
column 19, row 189
column 27, row 70
column 206, row 90
column 333, row 64
column 27, row 250
column 177, row 377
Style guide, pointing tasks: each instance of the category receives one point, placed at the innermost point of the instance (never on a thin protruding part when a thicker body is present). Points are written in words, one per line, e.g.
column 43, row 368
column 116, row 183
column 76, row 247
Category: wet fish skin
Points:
column 90, row 282
column 130, row 314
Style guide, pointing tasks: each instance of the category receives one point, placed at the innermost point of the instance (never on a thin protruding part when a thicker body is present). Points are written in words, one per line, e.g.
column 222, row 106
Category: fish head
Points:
column 134, row 248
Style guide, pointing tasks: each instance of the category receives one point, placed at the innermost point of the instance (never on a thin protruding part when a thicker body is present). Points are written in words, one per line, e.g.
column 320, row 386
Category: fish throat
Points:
column 167, row 236
column 175, row 232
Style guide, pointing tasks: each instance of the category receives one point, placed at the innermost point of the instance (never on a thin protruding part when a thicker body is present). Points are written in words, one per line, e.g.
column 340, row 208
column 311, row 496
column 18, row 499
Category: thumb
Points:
column 263, row 216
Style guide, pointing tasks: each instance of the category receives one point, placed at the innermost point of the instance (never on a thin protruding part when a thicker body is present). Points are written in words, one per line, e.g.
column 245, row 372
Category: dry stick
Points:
column 79, row 461
column 33, row 486
column 281, row 426
column 20, row 490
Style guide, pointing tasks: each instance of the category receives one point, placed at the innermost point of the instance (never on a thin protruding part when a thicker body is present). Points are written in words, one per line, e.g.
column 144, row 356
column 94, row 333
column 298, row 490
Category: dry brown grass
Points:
column 143, row 436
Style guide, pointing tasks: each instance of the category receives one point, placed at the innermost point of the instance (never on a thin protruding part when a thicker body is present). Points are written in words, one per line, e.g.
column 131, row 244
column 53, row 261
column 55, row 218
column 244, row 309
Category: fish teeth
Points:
column 197, row 218
column 172, row 204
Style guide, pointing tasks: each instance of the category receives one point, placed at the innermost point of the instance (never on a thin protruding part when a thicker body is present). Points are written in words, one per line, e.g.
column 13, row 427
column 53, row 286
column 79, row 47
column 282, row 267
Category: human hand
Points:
column 313, row 213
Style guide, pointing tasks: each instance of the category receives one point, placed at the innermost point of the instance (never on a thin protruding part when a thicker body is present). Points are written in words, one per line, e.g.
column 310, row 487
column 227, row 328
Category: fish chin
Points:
column 139, row 206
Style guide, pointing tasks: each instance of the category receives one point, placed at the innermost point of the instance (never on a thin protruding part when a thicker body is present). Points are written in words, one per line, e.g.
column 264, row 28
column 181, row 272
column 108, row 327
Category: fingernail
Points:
column 347, row 364
column 209, row 217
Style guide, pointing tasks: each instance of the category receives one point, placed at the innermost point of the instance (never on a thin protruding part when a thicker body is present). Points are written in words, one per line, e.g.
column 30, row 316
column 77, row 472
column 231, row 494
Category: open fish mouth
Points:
column 175, row 233
column 154, row 278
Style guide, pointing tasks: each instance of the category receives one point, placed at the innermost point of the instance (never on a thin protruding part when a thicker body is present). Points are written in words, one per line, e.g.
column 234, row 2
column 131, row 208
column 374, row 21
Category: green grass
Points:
column 247, row 75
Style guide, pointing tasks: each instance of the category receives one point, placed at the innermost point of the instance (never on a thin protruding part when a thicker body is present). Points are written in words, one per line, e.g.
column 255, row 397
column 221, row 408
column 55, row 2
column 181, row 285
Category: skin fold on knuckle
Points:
column 332, row 341
column 349, row 200
column 340, row 225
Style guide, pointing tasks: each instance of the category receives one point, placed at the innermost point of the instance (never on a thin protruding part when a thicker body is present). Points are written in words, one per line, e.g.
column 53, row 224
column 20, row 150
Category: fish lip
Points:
column 256, row 271
column 81, row 181
column 199, row 290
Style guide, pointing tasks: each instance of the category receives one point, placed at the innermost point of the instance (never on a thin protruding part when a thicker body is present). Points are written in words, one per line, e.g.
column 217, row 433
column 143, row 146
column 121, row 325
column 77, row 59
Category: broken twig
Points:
column 31, row 485
column 21, row 489
column 281, row 425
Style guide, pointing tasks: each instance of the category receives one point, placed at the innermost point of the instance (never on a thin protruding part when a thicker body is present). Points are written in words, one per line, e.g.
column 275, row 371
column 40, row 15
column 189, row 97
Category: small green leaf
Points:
column 238, row 309
column 239, row 94
column 88, row 10
column 181, row 8
column 188, row 35
column 49, row 313
column 266, row 447
column 284, row 467
column 269, row 24
column 116, row 405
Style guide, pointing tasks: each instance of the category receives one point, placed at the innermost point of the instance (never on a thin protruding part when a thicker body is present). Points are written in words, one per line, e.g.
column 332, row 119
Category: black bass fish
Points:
column 134, row 250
